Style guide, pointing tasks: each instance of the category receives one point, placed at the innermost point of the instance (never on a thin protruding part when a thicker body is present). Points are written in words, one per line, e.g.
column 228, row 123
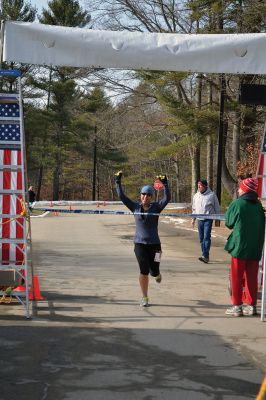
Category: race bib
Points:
column 157, row 257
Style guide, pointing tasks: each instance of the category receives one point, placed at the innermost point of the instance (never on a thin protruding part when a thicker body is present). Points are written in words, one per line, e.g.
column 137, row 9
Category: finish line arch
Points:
column 32, row 43
column 39, row 44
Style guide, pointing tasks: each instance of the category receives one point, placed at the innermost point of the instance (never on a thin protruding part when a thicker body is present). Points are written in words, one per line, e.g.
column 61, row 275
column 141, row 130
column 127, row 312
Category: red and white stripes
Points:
column 11, row 204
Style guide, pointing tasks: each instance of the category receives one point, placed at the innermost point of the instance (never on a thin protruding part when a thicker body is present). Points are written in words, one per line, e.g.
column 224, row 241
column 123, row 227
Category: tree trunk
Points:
column 56, row 180
column 177, row 194
column 111, row 186
column 229, row 183
column 39, row 184
column 56, row 177
column 195, row 153
column 195, row 168
column 235, row 143
column 44, row 140
column 210, row 161
column 40, row 175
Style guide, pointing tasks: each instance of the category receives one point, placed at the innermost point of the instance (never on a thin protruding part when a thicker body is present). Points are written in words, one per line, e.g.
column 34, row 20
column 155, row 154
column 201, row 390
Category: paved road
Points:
column 90, row 339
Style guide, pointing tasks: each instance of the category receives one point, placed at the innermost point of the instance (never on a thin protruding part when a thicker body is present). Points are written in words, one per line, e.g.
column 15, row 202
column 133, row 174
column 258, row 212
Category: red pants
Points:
column 244, row 271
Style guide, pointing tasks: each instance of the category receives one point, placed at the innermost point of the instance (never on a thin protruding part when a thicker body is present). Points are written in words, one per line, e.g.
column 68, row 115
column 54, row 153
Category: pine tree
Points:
column 62, row 85
column 17, row 10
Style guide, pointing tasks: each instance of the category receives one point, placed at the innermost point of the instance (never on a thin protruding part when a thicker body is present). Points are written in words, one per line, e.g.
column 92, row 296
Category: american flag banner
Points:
column 13, row 224
column 9, row 132
column 9, row 108
column 261, row 171
column 11, row 227
column 11, row 204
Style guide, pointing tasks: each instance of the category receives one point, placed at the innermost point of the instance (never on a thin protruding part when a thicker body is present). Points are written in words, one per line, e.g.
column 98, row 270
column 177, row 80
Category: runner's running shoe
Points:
column 144, row 302
column 158, row 278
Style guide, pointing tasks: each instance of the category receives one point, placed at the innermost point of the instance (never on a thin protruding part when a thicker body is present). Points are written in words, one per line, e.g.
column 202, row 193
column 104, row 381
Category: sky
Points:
column 39, row 4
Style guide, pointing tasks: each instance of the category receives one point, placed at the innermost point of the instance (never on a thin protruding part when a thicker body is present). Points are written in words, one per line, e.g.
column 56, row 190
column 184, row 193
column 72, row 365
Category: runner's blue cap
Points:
column 148, row 190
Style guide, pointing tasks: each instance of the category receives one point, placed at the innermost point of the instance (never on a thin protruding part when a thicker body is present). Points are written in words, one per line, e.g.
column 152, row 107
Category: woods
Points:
column 82, row 124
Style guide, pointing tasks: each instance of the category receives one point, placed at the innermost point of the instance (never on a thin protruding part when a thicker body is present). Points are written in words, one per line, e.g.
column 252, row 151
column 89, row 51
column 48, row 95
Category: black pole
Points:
column 220, row 140
column 94, row 166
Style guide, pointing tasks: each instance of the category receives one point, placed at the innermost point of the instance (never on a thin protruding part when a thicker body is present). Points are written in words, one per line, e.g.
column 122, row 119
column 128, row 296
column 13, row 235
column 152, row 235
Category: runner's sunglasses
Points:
column 146, row 194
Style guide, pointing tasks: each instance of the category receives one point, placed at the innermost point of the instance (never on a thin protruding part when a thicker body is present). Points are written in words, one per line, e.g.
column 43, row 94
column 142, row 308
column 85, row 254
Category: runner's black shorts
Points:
column 145, row 254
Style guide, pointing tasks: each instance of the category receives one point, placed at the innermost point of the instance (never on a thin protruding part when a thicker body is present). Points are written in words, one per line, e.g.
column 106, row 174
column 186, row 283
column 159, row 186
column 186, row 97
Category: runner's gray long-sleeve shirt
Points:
column 146, row 225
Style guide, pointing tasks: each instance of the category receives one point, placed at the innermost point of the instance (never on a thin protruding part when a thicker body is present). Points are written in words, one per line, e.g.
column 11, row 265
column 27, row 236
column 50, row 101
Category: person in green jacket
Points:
column 245, row 244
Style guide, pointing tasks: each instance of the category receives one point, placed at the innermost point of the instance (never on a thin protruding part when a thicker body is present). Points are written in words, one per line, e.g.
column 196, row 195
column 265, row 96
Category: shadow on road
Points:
column 94, row 363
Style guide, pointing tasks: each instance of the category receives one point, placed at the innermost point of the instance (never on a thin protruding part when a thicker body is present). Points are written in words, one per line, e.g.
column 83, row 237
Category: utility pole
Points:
column 220, row 140
column 221, row 115
column 94, row 165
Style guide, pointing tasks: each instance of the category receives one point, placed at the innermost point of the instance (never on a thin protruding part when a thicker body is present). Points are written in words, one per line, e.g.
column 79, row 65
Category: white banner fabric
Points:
column 40, row 44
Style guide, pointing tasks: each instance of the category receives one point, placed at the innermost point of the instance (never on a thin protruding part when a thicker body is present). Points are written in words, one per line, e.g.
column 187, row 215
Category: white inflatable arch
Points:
column 39, row 44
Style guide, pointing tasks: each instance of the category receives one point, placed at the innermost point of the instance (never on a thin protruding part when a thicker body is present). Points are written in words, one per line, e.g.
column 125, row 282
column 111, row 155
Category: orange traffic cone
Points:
column 36, row 290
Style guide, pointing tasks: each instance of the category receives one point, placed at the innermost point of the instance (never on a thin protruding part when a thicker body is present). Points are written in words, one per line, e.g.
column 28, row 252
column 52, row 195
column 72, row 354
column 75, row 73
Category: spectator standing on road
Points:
column 147, row 242
column 204, row 202
column 245, row 243
column 31, row 198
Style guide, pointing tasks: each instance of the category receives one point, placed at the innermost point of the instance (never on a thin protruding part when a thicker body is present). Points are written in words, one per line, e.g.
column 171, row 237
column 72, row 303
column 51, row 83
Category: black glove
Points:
column 118, row 177
column 163, row 179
